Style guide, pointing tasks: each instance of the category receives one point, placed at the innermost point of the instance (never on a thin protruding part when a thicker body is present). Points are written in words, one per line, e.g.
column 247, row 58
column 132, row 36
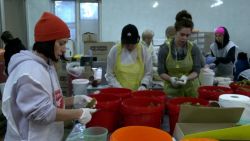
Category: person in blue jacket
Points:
column 241, row 65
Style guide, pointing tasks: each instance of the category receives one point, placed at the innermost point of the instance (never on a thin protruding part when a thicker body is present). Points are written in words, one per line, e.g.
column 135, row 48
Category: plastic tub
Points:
column 140, row 133
column 213, row 92
column 206, row 78
column 108, row 112
column 119, row 92
column 142, row 111
column 80, row 86
column 154, row 94
column 174, row 108
column 95, row 134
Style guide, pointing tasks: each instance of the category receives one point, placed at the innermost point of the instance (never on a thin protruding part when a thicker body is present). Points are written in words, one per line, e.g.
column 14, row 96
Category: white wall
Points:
column 233, row 14
column 34, row 9
column 15, row 19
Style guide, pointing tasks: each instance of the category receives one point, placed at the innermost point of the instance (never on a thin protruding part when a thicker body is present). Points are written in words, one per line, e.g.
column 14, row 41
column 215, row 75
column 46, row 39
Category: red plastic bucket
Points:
column 108, row 112
column 245, row 90
column 142, row 111
column 174, row 108
column 119, row 92
column 234, row 86
column 213, row 92
column 154, row 94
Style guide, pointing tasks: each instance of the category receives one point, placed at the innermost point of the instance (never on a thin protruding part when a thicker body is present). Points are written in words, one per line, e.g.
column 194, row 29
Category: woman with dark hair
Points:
column 224, row 51
column 179, row 60
column 12, row 46
column 33, row 102
column 129, row 64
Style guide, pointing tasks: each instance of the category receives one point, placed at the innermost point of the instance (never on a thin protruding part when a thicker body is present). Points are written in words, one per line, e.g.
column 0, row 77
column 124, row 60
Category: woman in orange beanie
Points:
column 32, row 100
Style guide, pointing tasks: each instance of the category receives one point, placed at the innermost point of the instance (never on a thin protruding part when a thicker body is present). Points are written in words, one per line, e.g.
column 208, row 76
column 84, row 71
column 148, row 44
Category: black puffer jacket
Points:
column 12, row 47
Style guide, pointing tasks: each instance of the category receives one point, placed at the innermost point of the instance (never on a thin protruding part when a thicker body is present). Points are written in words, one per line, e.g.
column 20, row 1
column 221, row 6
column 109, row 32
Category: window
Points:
column 86, row 21
column 89, row 11
column 66, row 11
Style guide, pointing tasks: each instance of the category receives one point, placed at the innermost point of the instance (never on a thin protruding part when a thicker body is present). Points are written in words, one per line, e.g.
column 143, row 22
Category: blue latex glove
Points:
column 210, row 59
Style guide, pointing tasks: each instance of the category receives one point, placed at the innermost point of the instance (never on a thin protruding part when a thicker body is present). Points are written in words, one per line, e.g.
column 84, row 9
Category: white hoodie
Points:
column 30, row 98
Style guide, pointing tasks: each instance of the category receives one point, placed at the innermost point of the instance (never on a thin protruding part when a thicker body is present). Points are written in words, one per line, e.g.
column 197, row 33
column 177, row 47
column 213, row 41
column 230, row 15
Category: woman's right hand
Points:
column 86, row 115
column 173, row 81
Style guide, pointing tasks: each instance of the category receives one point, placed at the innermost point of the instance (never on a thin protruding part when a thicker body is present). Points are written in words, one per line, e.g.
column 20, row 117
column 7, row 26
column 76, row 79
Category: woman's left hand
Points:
column 82, row 100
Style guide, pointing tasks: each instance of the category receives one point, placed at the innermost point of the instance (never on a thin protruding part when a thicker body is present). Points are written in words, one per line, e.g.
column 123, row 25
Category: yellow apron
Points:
column 177, row 68
column 129, row 75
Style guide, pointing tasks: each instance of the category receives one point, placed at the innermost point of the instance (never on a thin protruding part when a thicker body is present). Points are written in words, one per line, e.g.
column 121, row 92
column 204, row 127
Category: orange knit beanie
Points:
column 49, row 27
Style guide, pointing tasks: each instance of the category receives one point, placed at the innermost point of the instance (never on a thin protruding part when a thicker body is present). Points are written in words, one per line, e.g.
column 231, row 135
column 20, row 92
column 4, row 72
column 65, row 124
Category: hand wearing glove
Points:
column 74, row 69
column 212, row 66
column 116, row 85
column 86, row 115
column 183, row 80
column 82, row 100
column 210, row 59
column 173, row 81
column 141, row 88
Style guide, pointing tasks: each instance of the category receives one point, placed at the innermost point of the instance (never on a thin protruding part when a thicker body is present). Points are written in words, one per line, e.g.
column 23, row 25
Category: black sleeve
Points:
column 162, row 56
column 230, row 57
column 197, row 59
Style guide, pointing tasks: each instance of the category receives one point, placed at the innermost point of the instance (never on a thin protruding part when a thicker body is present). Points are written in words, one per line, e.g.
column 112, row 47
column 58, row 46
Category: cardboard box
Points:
column 203, row 40
column 211, row 122
column 99, row 50
column 89, row 37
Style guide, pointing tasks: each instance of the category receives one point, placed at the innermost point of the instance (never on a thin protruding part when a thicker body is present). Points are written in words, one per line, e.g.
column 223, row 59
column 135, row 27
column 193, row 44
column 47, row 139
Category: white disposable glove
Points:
column 141, row 88
column 173, row 81
column 116, row 85
column 182, row 80
column 74, row 69
column 81, row 101
column 86, row 115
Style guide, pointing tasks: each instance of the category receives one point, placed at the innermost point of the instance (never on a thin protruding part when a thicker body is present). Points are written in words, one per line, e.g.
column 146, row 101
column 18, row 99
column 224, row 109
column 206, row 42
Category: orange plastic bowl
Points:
column 140, row 133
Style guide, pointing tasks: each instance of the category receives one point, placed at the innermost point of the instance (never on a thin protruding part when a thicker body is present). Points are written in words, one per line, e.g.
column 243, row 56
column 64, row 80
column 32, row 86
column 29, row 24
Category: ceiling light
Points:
column 216, row 3
column 155, row 4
